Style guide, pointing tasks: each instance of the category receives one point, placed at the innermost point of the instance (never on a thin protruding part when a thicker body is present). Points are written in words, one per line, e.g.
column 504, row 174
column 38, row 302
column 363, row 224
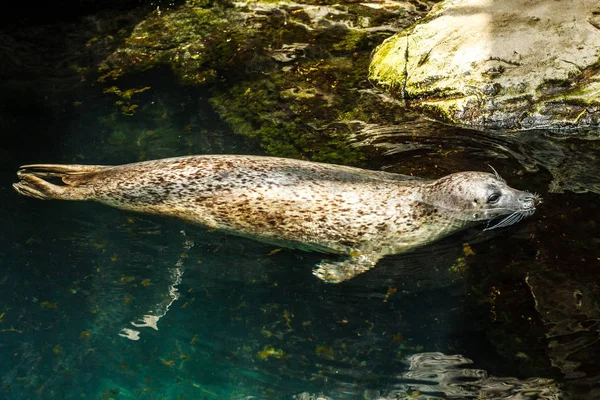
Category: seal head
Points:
column 474, row 197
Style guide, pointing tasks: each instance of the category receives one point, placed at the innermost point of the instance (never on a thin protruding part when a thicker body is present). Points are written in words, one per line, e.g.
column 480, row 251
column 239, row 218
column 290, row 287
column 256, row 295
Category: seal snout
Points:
column 529, row 201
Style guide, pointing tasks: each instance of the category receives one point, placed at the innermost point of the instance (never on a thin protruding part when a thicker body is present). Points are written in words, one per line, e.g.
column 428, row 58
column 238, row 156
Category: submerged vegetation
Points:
column 291, row 76
column 127, row 106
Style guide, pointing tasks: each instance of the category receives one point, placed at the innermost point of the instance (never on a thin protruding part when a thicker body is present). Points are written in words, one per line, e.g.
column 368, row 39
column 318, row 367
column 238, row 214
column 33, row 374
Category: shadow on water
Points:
column 83, row 287
column 541, row 274
column 572, row 160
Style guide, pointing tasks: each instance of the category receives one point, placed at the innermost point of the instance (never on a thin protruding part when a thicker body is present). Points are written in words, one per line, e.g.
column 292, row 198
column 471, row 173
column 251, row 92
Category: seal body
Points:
column 360, row 214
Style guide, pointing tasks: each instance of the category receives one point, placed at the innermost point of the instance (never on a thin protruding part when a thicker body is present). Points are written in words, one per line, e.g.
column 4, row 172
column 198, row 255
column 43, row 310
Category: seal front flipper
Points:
column 339, row 271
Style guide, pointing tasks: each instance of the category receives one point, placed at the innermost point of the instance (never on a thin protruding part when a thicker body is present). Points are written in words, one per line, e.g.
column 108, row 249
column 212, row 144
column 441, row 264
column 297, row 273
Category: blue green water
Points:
column 237, row 319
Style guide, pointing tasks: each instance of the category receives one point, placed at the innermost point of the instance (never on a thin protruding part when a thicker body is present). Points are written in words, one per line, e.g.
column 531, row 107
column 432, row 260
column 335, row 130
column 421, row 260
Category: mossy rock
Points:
column 501, row 65
column 292, row 76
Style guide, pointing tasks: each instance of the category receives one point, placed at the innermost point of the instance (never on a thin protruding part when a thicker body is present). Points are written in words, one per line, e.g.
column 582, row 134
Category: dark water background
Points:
column 245, row 320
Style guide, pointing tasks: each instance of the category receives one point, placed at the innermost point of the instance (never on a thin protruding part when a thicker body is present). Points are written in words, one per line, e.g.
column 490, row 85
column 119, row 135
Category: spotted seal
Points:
column 361, row 215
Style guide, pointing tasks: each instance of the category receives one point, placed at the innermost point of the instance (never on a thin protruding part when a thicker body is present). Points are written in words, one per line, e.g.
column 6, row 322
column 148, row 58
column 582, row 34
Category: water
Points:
column 511, row 312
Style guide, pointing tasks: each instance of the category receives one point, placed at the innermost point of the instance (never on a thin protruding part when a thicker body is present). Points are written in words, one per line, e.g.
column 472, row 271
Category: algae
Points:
column 291, row 76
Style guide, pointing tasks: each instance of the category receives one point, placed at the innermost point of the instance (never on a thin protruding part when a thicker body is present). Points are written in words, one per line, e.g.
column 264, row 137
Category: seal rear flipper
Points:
column 70, row 174
column 339, row 271
column 33, row 186
column 33, row 183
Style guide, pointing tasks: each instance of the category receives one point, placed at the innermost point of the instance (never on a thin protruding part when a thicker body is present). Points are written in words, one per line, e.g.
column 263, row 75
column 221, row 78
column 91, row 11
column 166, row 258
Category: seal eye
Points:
column 493, row 198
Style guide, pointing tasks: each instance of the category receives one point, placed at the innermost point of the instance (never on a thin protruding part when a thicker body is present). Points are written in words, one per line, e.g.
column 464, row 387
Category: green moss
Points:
column 185, row 40
column 257, row 110
column 307, row 105
column 308, row 110
column 353, row 41
column 385, row 63
column 589, row 91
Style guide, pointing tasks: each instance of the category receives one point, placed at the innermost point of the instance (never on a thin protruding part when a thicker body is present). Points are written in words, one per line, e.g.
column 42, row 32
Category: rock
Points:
column 291, row 75
column 507, row 64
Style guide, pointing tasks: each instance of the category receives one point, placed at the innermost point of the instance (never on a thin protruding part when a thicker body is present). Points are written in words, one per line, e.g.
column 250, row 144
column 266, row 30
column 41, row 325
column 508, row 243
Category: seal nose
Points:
column 529, row 201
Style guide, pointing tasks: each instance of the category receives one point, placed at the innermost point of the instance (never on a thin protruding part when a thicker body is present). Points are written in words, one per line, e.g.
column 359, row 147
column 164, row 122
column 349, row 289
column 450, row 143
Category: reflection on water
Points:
column 572, row 161
column 215, row 316
column 436, row 373
column 440, row 376
column 160, row 310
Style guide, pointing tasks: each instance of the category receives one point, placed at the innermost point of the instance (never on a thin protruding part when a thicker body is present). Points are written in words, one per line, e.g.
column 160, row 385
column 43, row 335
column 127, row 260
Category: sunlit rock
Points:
column 499, row 64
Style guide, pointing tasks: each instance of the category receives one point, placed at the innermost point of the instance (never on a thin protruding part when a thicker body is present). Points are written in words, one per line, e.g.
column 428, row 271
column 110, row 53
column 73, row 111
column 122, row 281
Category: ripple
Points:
column 439, row 376
column 572, row 160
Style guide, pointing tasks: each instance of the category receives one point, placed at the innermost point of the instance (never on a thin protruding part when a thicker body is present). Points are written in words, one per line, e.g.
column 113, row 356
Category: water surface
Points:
column 102, row 303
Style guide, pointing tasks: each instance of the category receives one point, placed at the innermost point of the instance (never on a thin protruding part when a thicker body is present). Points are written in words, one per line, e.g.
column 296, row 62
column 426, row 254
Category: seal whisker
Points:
column 496, row 174
column 510, row 220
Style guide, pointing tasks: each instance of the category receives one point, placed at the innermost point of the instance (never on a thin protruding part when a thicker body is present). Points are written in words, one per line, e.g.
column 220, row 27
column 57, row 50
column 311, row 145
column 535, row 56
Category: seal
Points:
column 361, row 215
